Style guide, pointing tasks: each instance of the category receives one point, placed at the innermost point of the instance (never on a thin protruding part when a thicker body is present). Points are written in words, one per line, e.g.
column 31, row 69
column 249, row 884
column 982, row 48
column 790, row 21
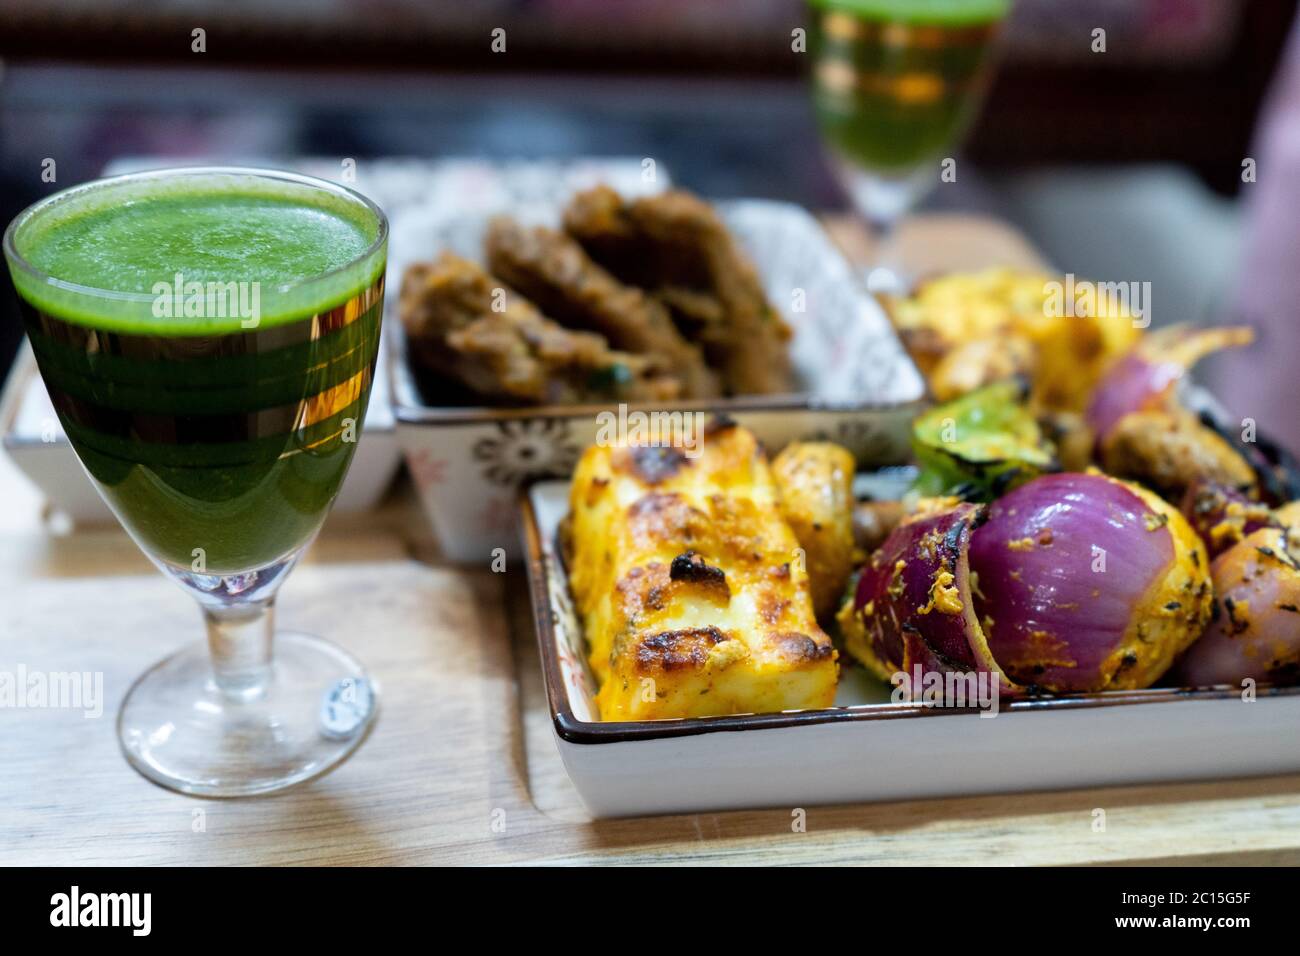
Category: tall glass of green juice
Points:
column 208, row 338
column 895, row 85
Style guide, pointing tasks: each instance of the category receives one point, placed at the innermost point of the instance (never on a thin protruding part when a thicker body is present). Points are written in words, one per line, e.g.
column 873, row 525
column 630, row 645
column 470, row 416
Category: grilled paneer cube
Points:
column 685, row 576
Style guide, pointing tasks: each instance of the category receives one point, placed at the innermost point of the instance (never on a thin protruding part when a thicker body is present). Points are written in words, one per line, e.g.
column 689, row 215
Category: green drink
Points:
column 895, row 84
column 208, row 338
column 218, row 437
column 896, row 81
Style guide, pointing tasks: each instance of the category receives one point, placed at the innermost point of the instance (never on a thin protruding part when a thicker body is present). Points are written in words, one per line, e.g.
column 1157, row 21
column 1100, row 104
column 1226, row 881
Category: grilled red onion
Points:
column 914, row 604
column 1144, row 379
column 1070, row 583
column 1087, row 583
column 1133, row 384
column 1222, row 515
column 1256, row 628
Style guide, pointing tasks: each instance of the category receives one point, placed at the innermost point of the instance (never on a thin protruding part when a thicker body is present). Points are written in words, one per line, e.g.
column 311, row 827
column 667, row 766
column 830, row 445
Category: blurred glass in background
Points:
column 895, row 84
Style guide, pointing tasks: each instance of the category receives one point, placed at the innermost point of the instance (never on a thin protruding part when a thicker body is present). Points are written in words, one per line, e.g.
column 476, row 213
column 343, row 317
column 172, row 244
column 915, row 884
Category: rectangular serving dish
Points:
column 469, row 463
column 867, row 748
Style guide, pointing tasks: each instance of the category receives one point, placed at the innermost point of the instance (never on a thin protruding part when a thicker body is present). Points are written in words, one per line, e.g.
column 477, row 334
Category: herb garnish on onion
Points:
column 1222, row 515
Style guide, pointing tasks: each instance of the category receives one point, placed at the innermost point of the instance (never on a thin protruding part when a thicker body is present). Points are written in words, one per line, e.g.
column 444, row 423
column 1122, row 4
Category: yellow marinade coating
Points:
column 815, row 480
column 686, row 578
column 1173, row 612
column 967, row 329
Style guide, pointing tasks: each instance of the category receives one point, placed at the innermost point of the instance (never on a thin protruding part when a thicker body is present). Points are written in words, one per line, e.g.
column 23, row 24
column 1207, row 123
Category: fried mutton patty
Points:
column 553, row 271
column 466, row 324
column 674, row 245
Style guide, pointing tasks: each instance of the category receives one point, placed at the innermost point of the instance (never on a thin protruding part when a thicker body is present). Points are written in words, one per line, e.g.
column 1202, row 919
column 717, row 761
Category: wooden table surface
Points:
column 461, row 767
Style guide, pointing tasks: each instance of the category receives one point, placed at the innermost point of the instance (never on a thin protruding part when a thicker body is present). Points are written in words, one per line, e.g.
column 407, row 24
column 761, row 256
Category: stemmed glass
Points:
column 208, row 337
column 895, row 86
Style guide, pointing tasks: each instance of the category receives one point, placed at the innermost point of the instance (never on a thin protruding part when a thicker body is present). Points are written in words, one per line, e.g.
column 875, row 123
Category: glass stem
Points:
column 239, row 642
column 886, row 273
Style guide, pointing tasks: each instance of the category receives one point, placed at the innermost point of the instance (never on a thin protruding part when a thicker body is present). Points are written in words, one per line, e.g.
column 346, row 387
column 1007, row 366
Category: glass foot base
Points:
column 181, row 731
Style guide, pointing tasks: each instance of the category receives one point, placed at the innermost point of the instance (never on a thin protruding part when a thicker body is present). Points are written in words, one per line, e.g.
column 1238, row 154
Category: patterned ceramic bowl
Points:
column 858, row 386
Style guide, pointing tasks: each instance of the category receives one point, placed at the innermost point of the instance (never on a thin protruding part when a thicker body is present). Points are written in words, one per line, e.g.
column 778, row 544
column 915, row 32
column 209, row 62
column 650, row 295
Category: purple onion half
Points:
column 1070, row 583
column 1144, row 379
column 1086, row 583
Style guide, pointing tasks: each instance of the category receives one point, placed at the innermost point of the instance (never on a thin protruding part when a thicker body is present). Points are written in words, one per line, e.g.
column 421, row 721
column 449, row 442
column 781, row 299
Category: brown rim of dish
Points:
column 572, row 730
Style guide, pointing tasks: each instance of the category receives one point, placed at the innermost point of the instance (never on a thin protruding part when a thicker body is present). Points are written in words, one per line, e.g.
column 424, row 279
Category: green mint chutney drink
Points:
column 896, row 81
column 208, row 338
column 208, row 342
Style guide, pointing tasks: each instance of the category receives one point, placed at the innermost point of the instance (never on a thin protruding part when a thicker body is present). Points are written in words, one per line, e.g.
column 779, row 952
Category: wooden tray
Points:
column 462, row 767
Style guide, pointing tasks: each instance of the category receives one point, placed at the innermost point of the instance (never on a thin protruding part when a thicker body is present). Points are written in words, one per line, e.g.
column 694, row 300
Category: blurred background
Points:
column 1119, row 165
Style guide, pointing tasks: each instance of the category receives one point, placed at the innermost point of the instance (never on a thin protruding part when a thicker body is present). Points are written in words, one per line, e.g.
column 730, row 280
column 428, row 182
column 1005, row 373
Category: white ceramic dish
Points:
column 867, row 748
column 470, row 462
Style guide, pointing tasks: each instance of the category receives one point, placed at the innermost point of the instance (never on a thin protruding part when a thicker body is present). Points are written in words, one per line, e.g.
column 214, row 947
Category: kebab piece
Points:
column 472, row 328
column 674, row 245
column 967, row 330
column 552, row 270
column 816, row 485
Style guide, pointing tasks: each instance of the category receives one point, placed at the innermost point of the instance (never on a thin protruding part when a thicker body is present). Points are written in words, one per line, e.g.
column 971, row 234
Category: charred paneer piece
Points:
column 674, row 245
column 686, row 579
column 552, row 270
column 465, row 324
